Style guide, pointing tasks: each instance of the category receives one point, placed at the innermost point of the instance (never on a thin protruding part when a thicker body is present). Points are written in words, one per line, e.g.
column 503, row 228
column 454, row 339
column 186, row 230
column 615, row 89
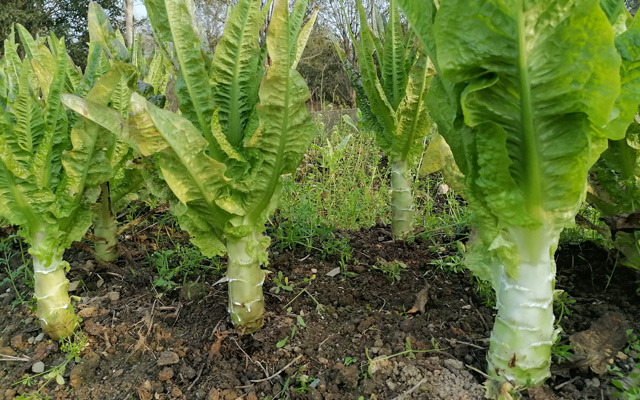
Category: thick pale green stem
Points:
column 53, row 303
column 523, row 334
column 245, row 277
column 401, row 200
column 105, row 228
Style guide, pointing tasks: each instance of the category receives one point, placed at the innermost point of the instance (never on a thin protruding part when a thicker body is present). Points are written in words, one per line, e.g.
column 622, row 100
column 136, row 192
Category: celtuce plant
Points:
column 614, row 190
column 526, row 96
column 395, row 76
column 127, row 179
column 241, row 127
column 49, row 173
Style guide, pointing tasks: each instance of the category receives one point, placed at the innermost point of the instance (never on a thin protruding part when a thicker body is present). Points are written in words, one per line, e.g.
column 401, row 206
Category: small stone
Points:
column 252, row 396
column 40, row 337
column 85, row 371
column 168, row 358
column 453, row 365
column 166, row 374
column 176, row 392
column 118, row 373
column 113, row 296
column 621, row 356
column 443, row 189
column 7, row 351
column 17, row 342
column 73, row 286
column 214, row 394
column 391, row 385
column 37, row 367
column 187, row 372
column 194, row 291
column 31, row 339
column 87, row 312
column 314, row 271
column 323, row 360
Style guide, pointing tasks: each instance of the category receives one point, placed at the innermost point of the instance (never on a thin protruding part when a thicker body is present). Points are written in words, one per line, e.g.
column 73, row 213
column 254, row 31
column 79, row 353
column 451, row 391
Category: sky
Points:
column 138, row 9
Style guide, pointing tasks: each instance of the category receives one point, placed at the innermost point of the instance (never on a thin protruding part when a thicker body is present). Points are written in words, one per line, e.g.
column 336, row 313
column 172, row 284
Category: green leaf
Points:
column 282, row 342
column 421, row 14
column 234, row 71
column 535, row 119
column 413, row 118
column 394, row 74
column 628, row 46
column 613, row 9
column 46, row 163
column 285, row 129
column 172, row 21
column 377, row 100
column 194, row 178
column 303, row 38
column 101, row 31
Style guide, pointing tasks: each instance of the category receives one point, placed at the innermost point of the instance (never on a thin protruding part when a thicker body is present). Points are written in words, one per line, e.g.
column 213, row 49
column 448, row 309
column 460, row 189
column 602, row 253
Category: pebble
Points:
column 214, row 394
column 168, row 358
column 113, row 296
column 323, row 360
column 252, row 396
column 37, row 367
column 176, row 392
column 166, row 374
column 17, row 342
column 40, row 337
column 7, row 351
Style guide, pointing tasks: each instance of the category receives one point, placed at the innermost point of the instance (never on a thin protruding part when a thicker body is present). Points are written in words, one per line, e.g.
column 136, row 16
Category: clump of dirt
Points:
column 329, row 337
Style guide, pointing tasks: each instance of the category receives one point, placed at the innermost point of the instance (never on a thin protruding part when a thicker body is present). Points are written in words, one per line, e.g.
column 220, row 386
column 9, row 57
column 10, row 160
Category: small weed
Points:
column 561, row 303
column 392, row 270
column 453, row 263
column 449, row 264
column 23, row 272
column 633, row 342
column 485, row 292
column 304, row 383
column 321, row 191
column 282, row 283
column 561, row 352
column 72, row 347
column 630, row 387
column 349, row 360
column 175, row 267
column 408, row 351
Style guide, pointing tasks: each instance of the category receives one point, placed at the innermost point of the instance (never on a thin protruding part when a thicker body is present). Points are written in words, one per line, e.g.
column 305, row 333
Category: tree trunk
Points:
column 128, row 18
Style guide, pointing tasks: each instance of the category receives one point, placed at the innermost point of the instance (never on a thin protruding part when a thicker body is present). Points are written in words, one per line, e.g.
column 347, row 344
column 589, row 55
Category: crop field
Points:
column 319, row 199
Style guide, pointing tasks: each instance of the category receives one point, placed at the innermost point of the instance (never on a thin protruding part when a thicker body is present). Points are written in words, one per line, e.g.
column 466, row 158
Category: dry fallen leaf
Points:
column 215, row 347
column 421, row 301
column 596, row 347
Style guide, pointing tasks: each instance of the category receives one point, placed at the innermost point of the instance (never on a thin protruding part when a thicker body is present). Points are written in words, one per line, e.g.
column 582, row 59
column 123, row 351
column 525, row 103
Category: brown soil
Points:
column 149, row 345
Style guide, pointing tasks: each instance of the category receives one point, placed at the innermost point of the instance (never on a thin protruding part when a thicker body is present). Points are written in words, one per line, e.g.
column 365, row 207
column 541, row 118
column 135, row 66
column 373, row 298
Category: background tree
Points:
column 66, row 18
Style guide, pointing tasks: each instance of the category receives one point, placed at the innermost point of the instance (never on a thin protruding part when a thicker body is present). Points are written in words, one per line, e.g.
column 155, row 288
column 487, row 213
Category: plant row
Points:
column 525, row 96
